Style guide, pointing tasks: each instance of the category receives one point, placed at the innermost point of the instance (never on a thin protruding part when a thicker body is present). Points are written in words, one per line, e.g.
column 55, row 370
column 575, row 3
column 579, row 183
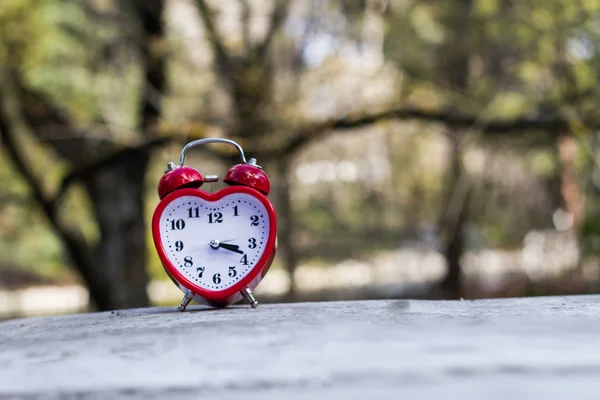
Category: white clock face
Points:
column 214, row 244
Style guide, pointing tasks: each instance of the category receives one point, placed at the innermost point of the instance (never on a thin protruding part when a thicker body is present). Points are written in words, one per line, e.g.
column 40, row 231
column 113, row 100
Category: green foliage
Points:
column 529, row 54
column 25, row 240
column 22, row 25
column 536, row 56
column 52, row 43
column 507, row 105
column 590, row 234
column 487, row 8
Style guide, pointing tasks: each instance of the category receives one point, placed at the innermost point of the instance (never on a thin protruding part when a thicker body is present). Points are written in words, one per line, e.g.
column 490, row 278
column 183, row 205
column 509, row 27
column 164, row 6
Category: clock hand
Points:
column 215, row 244
column 202, row 246
column 231, row 247
column 228, row 246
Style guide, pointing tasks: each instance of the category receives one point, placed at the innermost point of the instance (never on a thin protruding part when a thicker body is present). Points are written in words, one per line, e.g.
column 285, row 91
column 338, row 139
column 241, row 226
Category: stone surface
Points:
column 487, row 349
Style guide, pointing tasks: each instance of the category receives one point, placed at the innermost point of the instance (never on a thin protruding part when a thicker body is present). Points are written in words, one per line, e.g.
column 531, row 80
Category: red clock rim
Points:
column 236, row 288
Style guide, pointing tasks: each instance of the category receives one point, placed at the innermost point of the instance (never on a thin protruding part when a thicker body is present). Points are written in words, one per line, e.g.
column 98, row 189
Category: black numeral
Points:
column 177, row 225
column 235, row 211
column 232, row 271
column 187, row 262
column 254, row 220
column 244, row 260
column 215, row 217
column 194, row 212
column 252, row 243
column 217, row 278
column 179, row 245
column 200, row 271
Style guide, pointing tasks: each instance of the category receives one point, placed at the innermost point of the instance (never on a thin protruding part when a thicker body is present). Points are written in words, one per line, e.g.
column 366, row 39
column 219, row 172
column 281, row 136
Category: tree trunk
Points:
column 452, row 222
column 454, row 63
column 285, row 219
column 150, row 15
column 117, row 194
column 570, row 188
column 117, row 191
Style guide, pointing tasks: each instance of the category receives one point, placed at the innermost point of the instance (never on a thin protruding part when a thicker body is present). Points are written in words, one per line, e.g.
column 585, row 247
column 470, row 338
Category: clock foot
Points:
column 186, row 300
column 247, row 293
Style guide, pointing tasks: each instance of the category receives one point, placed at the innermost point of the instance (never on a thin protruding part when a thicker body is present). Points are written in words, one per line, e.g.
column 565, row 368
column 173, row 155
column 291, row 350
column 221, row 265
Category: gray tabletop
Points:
column 487, row 349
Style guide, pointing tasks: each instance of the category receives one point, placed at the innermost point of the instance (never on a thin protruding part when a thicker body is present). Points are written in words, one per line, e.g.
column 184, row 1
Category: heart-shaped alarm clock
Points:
column 216, row 247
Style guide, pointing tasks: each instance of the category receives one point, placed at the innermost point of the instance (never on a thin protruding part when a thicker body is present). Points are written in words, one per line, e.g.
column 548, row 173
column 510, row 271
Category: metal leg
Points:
column 247, row 293
column 186, row 300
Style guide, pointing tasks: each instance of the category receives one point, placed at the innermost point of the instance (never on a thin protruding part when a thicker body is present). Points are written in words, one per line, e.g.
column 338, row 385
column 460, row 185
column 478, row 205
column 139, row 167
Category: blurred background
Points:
column 417, row 148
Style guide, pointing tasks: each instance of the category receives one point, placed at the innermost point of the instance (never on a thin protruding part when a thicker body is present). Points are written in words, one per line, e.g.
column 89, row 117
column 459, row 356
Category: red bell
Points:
column 248, row 175
column 178, row 178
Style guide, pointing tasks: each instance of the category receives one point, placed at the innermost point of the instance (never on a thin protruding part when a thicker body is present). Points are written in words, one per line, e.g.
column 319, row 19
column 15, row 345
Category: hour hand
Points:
column 231, row 247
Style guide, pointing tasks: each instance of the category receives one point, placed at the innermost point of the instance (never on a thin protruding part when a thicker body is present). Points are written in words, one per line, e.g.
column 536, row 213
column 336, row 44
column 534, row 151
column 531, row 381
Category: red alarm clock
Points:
column 216, row 247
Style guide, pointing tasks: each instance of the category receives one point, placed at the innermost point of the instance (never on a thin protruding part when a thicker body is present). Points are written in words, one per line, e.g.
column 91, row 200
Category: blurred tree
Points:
column 529, row 64
column 269, row 128
column 496, row 68
column 453, row 73
column 114, row 268
column 248, row 77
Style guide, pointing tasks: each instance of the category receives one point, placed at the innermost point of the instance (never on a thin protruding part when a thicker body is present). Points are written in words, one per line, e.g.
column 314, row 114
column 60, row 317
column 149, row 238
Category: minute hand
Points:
column 231, row 247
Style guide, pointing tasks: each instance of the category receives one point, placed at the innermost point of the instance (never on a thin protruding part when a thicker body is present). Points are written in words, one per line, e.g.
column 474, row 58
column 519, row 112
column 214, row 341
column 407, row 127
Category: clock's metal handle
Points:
column 211, row 140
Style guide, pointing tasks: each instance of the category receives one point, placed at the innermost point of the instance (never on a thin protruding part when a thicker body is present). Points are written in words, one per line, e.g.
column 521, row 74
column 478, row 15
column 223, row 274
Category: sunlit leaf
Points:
column 507, row 105
column 425, row 25
column 487, row 7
